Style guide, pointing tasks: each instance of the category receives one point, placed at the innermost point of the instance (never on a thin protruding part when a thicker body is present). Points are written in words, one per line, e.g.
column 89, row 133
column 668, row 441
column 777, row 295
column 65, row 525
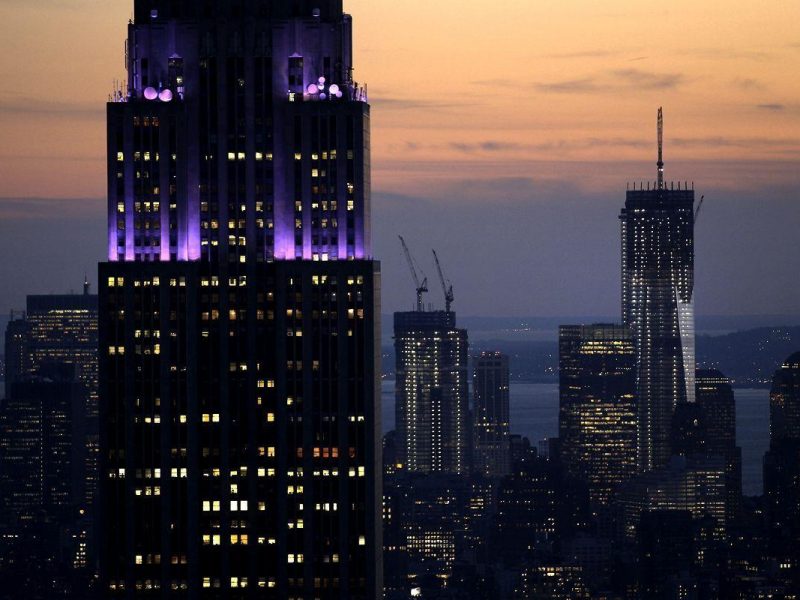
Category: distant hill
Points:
column 749, row 357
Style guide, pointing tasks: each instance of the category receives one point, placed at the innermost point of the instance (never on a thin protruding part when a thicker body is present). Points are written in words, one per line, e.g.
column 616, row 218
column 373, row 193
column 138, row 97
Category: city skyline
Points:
column 263, row 401
column 551, row 166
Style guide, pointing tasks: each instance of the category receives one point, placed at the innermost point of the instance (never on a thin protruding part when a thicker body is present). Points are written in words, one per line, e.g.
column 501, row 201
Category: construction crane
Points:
column 660, row 163
column 447, row 287
column 422, row 287
column 699, row 206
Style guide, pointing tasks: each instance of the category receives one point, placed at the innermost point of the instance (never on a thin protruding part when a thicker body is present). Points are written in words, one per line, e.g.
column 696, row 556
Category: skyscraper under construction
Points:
column 657, row 304
column 239, row 309
column 431, row 393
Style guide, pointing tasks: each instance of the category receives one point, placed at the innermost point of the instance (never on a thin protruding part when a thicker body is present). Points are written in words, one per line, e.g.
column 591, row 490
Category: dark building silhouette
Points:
column 784, row 401
column 537, row 505
column 435, row 532
column 658, row 307
column 552, row 581
column 431, row 393
column 17, row 356
column 63, row 328
column 715, row 398
column 695, row 484
column 782, row 469
column 45, row 530
column 241, row 437
column 51, row 429
column 42, row 425
column 491, row 454
column 597, row 406
column 666, row 549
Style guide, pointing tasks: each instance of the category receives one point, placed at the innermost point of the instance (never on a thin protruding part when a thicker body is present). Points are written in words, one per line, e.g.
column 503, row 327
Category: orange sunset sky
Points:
column 514, row 104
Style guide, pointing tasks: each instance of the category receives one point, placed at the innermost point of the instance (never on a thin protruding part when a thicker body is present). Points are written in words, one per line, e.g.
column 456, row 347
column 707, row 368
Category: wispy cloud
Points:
column 495, row 146
column 647, row 80
column 615, row 81
column 586, row 54
column 393, row 103
column 573, row 86
column 15, row 208
column 748, row 84
column 761, row 143
column 13, row 104
column 712, row 53
column 771, row 107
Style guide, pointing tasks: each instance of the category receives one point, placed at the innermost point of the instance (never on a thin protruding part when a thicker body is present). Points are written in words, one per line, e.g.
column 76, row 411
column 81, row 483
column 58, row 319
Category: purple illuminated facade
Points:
column 239, row 309
column 249, row 130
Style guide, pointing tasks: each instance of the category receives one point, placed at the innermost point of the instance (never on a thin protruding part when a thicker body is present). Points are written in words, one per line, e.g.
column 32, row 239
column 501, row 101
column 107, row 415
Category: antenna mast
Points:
column 660, row 162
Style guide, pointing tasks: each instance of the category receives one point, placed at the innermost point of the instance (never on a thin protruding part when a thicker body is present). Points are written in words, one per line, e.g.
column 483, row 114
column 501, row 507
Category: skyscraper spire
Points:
column 660, row 162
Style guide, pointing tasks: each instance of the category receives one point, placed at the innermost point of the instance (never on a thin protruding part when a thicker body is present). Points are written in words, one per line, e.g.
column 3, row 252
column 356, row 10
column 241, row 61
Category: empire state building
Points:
column 239, row 309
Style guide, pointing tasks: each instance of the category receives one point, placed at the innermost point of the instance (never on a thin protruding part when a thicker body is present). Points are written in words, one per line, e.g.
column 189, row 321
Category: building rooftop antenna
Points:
column 660, row 162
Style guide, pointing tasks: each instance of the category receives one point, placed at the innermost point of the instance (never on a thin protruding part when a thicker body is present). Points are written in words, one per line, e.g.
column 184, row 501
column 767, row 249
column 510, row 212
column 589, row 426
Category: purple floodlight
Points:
column 312, row 88
column 334, row 89
column 322, row 96
column 165, row 95
column 150, row 93
column 339, row 94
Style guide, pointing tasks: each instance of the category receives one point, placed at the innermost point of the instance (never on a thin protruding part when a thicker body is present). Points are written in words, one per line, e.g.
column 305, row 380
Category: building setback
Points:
column 658, row 307
column 239, row 319
column 597, row 406
column 491, row 438
column 431, row 397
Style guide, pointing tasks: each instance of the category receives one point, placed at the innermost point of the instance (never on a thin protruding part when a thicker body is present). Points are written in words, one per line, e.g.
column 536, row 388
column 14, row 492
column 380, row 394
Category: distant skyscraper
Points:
column 241, row 437
column 63, row 328
column 716, row 400
column 597, row 405
column 41, row 449
column 491, row 437
column 666, row 554
column 45, row 531
column 782, row 461
column 658, row 306
column 17, row 355
column 695, row 484
column 431, row 402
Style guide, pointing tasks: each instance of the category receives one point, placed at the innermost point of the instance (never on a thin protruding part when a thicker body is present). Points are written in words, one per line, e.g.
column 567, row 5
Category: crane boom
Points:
column 447, row 287
column 421, row 286
column 699, row 206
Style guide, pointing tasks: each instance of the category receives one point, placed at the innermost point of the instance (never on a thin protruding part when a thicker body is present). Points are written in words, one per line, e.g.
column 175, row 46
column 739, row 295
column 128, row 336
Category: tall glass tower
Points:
column 431, row 392
column 239, row 309
column 491, row 451
column 597, row 406
column 657, row 305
